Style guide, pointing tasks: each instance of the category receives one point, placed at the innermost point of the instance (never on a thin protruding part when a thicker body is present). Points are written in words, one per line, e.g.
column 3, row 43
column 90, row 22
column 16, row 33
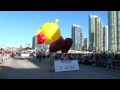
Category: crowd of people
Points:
column 106, row 59
column 5, row 56
column 98, row 59
column 57, row 56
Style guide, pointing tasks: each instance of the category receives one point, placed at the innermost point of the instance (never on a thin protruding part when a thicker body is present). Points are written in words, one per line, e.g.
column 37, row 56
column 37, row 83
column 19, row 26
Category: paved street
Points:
column 29, row 68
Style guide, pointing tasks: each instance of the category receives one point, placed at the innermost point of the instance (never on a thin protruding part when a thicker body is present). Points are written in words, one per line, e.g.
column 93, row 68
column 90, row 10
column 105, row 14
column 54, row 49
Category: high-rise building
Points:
column 95, row 33
column 85, row 44
column 39, row 47
column 77, row 37
column 105, row 38
column 118, row 31
column 92, row 30
column 101, row 36
column 81, row 39
column 114, row 30
column 33, row 42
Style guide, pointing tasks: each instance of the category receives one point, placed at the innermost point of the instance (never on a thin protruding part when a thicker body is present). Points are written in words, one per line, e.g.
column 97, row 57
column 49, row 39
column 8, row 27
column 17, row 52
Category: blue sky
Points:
column 18, row 27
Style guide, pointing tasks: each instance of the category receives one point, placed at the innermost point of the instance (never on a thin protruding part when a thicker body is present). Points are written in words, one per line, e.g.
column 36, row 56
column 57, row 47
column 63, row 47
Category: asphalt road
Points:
column 30, row 68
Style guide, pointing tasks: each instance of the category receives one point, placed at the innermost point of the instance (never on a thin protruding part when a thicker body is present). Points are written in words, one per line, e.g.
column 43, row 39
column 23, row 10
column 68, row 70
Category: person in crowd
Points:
column 13, row 55
column 3, row 57
column 56, row 56
column 37, row 55
column 40, row 56
column 51, row 62
column 43, row 56
column 66, row 57
column 109, row 61
column 34, row 56
column 62, row 56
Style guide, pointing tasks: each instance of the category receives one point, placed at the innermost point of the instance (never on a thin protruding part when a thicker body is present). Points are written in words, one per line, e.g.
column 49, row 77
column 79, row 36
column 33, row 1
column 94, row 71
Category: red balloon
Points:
column 41, row 38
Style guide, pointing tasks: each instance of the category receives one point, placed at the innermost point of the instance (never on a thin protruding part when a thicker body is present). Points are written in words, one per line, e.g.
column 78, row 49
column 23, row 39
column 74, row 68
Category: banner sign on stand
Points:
column 66, row 65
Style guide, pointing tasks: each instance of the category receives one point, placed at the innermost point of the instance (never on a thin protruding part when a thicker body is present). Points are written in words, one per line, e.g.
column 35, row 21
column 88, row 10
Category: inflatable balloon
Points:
column 47, row 41
column 38, row 31
column 56, row 45
column 52, row 47
column 51, row 31
column 59, row 43
column 67, row 45
column 41, row 38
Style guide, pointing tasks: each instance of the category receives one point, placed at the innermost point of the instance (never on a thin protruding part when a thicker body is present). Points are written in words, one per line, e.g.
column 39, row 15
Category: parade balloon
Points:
column 59, row 43
column 47, row 41
column 56, row 45
column 41, row 38
column 67, row 45
column 64, row 50
column 38, row 31
column 52, row 47
column 51, row 30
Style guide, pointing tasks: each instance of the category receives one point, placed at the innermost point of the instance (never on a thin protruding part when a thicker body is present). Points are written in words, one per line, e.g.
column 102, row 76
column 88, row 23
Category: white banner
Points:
column 66, row 65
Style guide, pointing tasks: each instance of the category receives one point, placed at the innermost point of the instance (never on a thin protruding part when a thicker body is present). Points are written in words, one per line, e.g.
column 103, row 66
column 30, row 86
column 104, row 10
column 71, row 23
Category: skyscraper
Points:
column 118, row 31
column 85, row 44
column 101, row 36
column 33, row 42
column 105, row 38
column 92, row 33
column 95, row 33
column 113, row 30
column 77, row 37
column 39, row 47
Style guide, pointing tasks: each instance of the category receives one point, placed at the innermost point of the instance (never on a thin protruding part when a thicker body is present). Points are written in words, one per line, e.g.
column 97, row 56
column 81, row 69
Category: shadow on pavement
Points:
column 40, row 71
column 22, row 73
column 44, row 64
column 20, row 58
column 26, row 73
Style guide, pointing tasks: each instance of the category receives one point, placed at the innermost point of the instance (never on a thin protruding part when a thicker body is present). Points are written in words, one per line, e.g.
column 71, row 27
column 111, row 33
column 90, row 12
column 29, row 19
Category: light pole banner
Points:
column 66, row 65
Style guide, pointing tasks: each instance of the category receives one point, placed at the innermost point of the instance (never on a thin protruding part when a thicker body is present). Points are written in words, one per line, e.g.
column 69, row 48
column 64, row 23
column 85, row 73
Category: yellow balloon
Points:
column 48, row 41
column 51, row 30
column 38, row 31
column 56, row 21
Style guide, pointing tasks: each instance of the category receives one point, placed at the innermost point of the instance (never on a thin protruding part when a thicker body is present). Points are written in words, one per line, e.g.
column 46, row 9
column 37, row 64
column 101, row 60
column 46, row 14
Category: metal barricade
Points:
column 116, row 64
